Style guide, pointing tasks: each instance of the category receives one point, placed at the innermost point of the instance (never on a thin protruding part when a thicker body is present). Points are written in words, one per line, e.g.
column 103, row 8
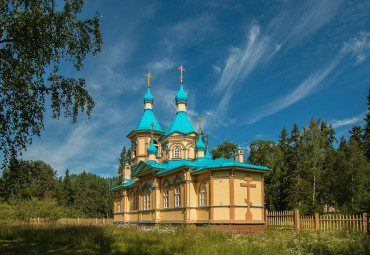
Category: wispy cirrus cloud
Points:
column 291, row 26
column 354, row 47
column 358, row 47
column 349, row 121
column 161, row 66
column 302, row 91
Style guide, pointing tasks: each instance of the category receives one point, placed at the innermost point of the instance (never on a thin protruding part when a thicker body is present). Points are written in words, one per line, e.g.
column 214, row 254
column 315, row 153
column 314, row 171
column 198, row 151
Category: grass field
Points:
column 164, row 239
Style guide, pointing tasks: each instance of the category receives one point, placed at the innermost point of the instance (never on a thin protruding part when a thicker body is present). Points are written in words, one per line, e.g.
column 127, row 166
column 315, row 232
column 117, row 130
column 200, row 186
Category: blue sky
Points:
column 252, row 68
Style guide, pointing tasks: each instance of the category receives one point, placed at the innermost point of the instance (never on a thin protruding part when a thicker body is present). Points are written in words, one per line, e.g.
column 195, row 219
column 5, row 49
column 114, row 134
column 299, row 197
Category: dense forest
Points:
column 31, row 189
column 312, row 172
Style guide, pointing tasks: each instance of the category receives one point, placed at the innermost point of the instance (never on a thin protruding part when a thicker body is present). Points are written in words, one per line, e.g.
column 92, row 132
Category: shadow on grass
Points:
column 56, row 239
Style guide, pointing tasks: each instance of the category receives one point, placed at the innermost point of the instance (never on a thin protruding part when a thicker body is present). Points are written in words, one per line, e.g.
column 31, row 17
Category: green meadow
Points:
column 164, row 239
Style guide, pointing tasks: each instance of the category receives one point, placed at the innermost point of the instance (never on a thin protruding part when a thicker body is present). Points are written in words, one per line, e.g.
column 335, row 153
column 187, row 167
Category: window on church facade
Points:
column 177, row 197
column 147, row 200
column 132, row 203
column 202, row 195
column 165, row 199
column 137, row 203
column 176, row 152
column 119, row 206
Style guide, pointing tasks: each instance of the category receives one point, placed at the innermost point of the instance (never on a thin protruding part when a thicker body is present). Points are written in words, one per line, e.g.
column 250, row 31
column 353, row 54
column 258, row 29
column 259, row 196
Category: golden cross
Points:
column 206, row 136
column 148, row 75
column 181, row 69
column 248, row 215
column 200, row 124
column 152, row 126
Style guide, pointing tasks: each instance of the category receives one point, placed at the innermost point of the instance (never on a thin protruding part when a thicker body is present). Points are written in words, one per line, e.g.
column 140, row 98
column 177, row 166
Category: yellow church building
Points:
column 173, row 179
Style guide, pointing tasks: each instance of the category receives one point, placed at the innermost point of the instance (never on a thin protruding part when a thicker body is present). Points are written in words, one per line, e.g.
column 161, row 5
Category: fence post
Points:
column 266, row 213
column 96, row 221
column 317, row 221
column 78, row 220
column 103, row 221
column 364, row 222
column 297, row 220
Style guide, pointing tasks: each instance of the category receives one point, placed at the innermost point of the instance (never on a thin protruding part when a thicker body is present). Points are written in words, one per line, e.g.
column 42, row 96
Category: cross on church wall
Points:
column 248, row 215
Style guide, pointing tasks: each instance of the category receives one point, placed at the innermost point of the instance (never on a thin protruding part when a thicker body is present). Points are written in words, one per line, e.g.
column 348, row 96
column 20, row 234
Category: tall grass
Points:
column 164, row 239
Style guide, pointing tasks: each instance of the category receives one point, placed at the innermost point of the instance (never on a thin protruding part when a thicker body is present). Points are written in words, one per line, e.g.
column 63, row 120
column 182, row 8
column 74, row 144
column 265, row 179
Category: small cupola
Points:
column 207, row 155
column 239, row 155
column 148, row 98
column 152, row 150
column 181, row 98
column 200, row 147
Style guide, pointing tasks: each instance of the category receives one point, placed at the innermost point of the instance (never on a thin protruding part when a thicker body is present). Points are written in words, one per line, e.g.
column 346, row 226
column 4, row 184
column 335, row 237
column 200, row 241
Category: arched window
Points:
column 202, row 195
column 178, row 197
column 119, row 206
column 165, row 199
column 176, row 152
column 147, row 200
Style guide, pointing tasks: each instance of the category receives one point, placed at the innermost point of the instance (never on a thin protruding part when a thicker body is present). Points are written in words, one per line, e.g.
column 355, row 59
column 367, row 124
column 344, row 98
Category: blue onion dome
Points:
column 181, row 96
column 207, row 155
column 148, row 97
column 239, row 147
column 152, row 148
column 200, row 145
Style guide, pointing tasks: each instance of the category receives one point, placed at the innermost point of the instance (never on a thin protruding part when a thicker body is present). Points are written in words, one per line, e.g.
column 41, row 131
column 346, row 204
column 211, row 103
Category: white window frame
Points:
column 176, row 152
column 202, row 195
column 165, row 199
column 119, row 206
column 178, row 196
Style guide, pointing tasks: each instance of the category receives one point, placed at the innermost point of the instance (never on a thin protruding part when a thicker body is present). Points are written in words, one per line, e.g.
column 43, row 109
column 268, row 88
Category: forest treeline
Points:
column 31, row 189
column 311, row 174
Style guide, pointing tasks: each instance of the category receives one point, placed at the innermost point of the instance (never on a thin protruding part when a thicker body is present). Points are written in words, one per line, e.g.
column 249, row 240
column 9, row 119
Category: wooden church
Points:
column 173, row 179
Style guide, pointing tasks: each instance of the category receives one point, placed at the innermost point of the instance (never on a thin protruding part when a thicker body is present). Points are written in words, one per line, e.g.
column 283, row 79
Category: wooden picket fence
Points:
column 293, row 220
column 72, row 221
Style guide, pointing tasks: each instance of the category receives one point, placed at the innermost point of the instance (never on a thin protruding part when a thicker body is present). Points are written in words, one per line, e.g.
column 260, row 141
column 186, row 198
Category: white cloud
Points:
column 302, row 91
column 349, row 121
column 216, row 68
column 289, row 27
column 161, row 66
column 189, row 31
column 358, row 47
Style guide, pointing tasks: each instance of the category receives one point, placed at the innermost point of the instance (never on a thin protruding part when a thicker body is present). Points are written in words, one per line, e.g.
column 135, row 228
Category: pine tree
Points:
column 122, row 161
column 367, row 129
column 67, row 190
column 297, row 183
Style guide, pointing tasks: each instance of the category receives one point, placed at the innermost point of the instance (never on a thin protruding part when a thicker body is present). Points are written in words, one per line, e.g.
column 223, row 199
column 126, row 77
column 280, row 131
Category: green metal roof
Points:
column 207, row 155
column 152, row 148
column 148, row 97
column 200, row 145
column 181, row 96
column 195, row 165
column 180, row 123
column 146, row 120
